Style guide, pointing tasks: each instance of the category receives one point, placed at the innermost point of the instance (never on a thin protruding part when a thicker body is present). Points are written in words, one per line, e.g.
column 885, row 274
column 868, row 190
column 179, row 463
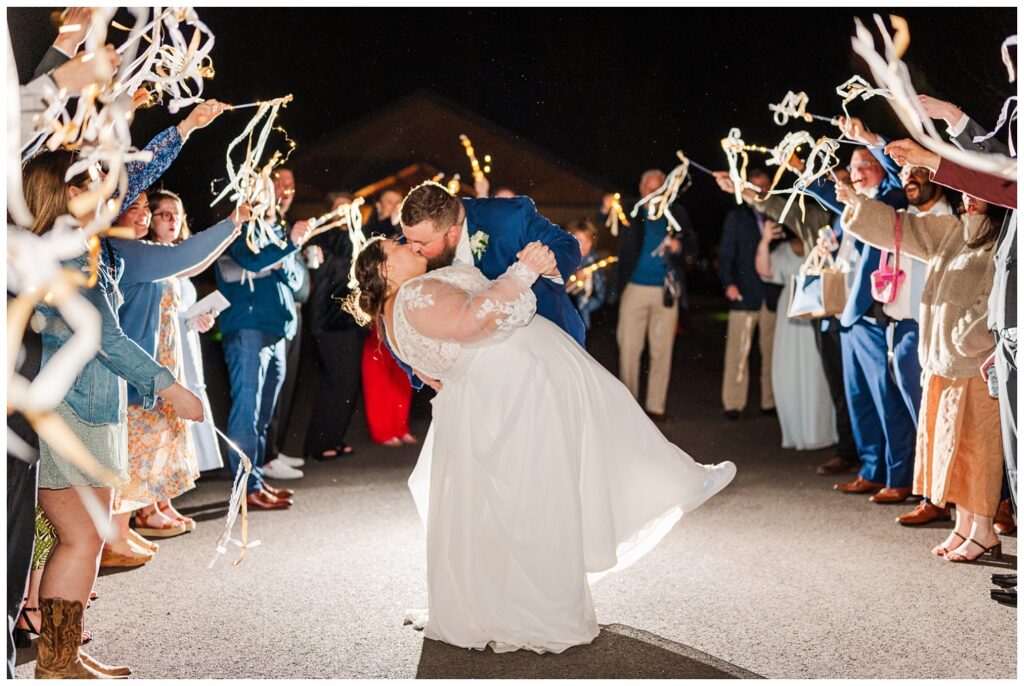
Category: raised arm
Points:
column 805, row 225
column 446, row 312
column 165, row 147
column 874, row 223
column 146, row 261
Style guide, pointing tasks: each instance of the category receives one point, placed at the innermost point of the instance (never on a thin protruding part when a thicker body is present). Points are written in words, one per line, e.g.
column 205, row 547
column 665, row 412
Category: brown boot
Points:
column 60, row 638
column 97, row 666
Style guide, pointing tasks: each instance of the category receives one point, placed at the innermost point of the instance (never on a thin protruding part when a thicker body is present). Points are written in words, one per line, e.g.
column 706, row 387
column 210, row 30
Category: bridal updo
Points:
column 366, row 303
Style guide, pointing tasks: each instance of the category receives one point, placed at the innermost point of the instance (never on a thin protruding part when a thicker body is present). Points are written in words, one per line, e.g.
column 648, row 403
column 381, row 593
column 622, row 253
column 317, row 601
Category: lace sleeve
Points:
column 448, row 312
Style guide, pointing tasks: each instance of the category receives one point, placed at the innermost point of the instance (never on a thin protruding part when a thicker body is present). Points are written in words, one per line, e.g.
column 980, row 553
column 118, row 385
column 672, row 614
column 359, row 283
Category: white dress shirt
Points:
column 908, row 301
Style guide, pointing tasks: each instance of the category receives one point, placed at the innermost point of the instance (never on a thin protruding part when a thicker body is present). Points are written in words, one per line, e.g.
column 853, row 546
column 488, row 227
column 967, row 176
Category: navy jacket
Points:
column 890, row 191
column 736, row 255
column 511, row 223
column 265, row 302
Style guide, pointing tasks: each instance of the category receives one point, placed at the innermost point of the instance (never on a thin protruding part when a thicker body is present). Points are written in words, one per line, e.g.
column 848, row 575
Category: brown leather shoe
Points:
column 924, row 513
column 837, row 465
column 888, row 496
column 264, row 501
column 859, row 485
column 1003, row 522
column 285, row 493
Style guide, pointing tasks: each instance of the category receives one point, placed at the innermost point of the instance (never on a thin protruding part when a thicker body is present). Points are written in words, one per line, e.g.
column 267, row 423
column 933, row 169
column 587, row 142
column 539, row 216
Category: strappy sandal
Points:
column 941, row 551
column 23, row 635
column 190, row 524
column 340, row 450
column 996, row 551
column 141, row 525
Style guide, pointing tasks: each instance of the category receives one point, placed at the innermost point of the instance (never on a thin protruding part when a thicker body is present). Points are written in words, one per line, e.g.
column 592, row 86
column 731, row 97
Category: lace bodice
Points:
column 441, row 317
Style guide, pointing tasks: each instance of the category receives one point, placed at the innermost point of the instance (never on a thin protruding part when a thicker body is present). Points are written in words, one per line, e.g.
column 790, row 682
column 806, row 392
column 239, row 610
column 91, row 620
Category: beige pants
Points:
column 739, row 339
column 642, row 315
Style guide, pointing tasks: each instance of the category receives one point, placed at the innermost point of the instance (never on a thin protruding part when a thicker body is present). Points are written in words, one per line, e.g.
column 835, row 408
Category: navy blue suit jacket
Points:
column 736, row 255
column 511, row 223
column 890, row 191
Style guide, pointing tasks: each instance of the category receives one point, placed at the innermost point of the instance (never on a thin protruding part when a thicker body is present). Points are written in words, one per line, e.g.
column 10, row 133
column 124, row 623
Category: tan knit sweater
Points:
column 954, row 339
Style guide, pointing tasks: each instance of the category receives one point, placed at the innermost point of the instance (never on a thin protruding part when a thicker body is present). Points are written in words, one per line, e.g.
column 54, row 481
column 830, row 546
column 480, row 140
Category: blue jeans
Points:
column 883, row 426
column 256, row 368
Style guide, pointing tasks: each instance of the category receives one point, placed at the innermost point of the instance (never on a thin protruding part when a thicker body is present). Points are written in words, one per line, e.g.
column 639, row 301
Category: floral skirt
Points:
column 161, row 458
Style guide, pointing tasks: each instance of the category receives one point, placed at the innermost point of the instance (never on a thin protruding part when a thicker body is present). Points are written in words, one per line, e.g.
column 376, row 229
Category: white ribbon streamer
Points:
column 251, row 183
column 892, row 73
column 236, row 504
column 659, row 202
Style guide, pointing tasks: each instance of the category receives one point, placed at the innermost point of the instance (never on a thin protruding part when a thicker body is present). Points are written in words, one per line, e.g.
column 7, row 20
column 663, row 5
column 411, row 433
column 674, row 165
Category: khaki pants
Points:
column 642, row 315
column 739, row 339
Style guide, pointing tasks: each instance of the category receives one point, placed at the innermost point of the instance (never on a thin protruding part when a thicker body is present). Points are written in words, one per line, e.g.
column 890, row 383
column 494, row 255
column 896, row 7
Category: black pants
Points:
column 831, row 353
column 1006, row 373
column 277, row 433
column 21, row 532
column 342, row 354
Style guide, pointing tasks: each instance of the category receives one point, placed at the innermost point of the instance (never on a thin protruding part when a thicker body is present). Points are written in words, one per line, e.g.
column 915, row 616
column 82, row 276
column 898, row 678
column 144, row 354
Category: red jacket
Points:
column 988, row 187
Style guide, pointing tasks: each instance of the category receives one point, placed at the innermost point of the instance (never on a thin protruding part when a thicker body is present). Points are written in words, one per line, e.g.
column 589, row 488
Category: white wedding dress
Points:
column 539, row 471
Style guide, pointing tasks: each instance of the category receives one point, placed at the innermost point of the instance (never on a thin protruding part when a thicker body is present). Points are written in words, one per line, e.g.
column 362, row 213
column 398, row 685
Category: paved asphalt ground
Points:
column 778, row 576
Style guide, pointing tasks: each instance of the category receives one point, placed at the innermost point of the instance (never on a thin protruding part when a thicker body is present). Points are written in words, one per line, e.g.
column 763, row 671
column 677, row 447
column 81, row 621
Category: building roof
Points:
column 423, row 129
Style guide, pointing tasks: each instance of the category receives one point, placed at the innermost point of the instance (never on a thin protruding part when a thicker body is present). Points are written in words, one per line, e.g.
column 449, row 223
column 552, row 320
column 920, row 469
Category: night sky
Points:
column 613, row 91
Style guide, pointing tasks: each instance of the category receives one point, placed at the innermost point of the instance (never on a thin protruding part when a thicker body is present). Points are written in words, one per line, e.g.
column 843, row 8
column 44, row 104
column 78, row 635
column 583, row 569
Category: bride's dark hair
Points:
column 366, row 303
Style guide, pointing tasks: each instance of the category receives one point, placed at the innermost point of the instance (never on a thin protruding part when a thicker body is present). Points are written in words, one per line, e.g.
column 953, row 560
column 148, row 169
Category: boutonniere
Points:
column 478, row 243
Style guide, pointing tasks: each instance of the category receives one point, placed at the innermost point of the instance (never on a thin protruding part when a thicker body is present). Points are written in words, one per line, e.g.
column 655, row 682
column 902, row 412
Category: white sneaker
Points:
column 277, row 469
column 290, row 461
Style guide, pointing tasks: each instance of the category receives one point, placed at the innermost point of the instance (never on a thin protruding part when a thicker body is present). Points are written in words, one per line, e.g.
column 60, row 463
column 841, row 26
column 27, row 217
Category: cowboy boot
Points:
column 120, row 672
column 60, row 637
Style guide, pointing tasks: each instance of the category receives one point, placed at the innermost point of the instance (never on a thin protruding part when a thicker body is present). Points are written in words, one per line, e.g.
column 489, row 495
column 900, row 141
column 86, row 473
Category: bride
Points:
column 540, row 472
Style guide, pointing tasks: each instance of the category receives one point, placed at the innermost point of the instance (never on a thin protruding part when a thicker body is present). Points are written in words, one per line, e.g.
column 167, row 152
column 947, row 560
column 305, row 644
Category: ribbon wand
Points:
column 616, row 215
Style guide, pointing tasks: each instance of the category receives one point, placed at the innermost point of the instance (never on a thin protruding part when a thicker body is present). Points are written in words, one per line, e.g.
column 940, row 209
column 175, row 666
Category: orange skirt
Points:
column 959, row 448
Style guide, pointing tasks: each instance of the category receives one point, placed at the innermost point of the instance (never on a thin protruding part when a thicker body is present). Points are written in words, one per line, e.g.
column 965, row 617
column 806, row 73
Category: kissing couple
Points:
column 540, row 472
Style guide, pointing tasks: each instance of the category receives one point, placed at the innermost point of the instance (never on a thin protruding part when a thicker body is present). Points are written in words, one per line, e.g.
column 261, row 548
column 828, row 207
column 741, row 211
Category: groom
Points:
column 489, row 233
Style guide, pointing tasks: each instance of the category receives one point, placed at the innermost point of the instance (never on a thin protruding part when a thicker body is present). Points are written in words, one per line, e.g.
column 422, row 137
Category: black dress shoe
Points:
column 1003, row 577
column 769, row 412
column 732, row 415
column 1008, row 597
column 1005, row 580
column 658, row 417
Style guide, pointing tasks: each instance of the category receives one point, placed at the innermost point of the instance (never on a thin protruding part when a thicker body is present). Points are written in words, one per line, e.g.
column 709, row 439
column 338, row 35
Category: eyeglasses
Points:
column 166, row 215
column 859, row 166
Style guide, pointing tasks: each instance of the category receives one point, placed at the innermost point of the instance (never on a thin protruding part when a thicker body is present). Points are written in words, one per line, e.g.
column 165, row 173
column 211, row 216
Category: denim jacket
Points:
column 99, row 393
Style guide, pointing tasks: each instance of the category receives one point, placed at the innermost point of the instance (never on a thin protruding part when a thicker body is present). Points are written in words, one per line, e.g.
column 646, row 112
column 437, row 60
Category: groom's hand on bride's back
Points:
column 433, row 383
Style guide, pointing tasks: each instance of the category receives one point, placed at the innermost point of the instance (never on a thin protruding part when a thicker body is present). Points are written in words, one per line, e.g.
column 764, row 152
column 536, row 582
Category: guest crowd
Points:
column 914, row 388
